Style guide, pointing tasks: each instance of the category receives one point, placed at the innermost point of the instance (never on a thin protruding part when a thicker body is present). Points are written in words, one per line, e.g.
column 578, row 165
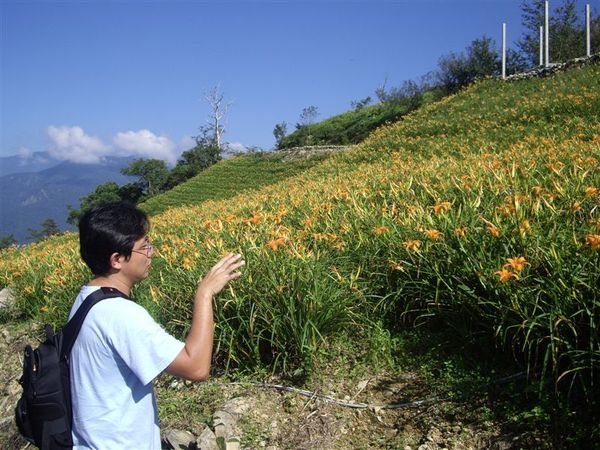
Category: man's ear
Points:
column 115, row 261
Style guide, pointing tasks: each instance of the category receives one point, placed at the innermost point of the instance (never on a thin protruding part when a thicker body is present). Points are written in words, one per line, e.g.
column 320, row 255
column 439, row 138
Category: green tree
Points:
column 279, row 132
column 409, row 94
column 130, row 192
column 566, row 34
column 381, row 92
column 152, row 175
column 49, row 228
column 308, row 116
column 480, row 59
column 360, row 104
column 194, row 161
column 515, row 62
column 7, row 241
column 104, row 193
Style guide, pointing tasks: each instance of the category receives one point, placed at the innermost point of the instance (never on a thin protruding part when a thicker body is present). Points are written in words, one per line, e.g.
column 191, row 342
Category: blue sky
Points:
column 84, row 79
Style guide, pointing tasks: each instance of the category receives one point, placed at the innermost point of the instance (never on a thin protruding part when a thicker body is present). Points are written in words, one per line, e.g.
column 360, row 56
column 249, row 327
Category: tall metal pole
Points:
column 588, row 34
column 503, row 51
column 541, row 46
column 546, row 33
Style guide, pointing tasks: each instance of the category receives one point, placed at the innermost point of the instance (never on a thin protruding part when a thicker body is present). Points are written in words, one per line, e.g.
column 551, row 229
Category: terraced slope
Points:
column 231, row 177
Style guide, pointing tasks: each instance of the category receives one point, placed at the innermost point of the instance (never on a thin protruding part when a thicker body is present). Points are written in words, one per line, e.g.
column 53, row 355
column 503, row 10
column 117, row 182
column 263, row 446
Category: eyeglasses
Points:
column 146, row 250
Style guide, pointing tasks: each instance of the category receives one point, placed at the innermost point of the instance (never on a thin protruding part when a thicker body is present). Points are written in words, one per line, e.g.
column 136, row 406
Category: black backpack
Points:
column 43, row 414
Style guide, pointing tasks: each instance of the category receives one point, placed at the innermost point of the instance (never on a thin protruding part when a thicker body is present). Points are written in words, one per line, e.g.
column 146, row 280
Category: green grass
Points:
column 230, row 177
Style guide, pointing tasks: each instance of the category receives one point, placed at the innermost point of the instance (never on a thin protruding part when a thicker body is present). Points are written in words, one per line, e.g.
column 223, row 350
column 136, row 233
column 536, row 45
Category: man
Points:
column 120, row 349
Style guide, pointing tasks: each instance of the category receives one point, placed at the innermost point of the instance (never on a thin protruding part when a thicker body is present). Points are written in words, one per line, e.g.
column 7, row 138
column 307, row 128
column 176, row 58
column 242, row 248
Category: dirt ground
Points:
column 12, row 343
column 284, row 420
column 278, row 419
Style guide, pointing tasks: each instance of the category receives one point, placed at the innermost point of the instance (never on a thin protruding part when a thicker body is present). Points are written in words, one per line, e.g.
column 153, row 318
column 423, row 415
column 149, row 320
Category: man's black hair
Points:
column 110, row 228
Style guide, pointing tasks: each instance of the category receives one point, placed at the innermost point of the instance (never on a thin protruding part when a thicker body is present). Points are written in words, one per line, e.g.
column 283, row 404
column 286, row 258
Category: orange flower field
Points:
column 481, row 212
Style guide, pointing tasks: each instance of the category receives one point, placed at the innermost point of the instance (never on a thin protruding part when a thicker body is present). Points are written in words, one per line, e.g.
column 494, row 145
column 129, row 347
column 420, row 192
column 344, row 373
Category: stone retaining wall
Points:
column 554, row 68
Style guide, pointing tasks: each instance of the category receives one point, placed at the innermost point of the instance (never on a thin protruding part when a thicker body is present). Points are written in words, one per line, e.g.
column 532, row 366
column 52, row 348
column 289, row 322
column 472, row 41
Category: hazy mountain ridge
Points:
column 28, row 198
column 34, row 162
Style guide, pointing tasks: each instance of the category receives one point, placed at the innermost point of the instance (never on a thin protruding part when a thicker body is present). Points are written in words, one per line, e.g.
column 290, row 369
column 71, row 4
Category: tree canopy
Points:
column 49, row 228
column 566, row 31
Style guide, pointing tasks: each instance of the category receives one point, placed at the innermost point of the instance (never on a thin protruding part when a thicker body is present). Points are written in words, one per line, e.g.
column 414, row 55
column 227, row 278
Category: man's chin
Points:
column 145, row 275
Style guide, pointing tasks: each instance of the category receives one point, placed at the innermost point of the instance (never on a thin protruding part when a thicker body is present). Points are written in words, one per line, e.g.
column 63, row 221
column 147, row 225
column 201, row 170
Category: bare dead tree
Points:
column 218, row 114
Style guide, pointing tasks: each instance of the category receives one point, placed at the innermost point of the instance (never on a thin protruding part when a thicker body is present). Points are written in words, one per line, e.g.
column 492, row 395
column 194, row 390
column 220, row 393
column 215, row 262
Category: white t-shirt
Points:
column 118, row 353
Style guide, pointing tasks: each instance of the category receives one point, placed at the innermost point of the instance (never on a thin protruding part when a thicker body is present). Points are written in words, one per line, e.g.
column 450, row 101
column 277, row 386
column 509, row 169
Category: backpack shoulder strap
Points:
column 71, row 329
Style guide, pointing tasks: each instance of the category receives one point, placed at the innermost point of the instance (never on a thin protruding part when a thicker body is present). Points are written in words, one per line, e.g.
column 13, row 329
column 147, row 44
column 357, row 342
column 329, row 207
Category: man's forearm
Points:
column 193, row 362
column 199, row 341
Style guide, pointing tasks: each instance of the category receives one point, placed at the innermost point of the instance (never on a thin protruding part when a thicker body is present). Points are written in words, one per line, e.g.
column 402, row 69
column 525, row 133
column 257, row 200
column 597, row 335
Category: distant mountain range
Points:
column 34, row 162
column 33, row 192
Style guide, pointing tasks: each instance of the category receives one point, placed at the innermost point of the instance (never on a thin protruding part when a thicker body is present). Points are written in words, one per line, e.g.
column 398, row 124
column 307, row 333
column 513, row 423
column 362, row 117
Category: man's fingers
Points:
column 237, row 265
column 233, row 264
column 235, row 275
column 227, row 266
column 225, row 261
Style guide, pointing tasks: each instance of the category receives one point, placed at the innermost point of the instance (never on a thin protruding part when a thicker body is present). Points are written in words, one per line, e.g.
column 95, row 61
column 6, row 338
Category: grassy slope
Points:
column 416, row 224
column 228, row 178
column 349, row 127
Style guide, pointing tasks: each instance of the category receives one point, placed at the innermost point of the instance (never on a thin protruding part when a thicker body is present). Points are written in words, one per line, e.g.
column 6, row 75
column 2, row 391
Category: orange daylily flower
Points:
column 494, row 230
column 308, row 222
column 556, row 167
column 339, row 246
column 276, row 243
column 593, row 241
column 412, row 245
column 255, row 219
column 187, row 263
column 506, row 275
column 380, row 230
column 441, row 207
column 517, row 263
column 460, row 231
column 433, row 234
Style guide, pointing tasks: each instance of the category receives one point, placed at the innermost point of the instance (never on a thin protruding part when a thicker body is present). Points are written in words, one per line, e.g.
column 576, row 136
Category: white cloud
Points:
column 72, row 144
column 236, row 147
column 186, row 143
column 146, row 144
column 24, row 153
column 27, row 157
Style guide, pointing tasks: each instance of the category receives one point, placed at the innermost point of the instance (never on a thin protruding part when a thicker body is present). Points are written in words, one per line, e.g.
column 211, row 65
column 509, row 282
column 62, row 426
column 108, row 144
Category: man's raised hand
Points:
column 222, row 273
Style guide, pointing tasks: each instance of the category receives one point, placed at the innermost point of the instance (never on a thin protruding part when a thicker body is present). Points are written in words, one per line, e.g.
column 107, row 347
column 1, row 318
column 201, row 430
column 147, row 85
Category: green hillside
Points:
column 349, row 127
column 476, row 218
column 230, row 177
